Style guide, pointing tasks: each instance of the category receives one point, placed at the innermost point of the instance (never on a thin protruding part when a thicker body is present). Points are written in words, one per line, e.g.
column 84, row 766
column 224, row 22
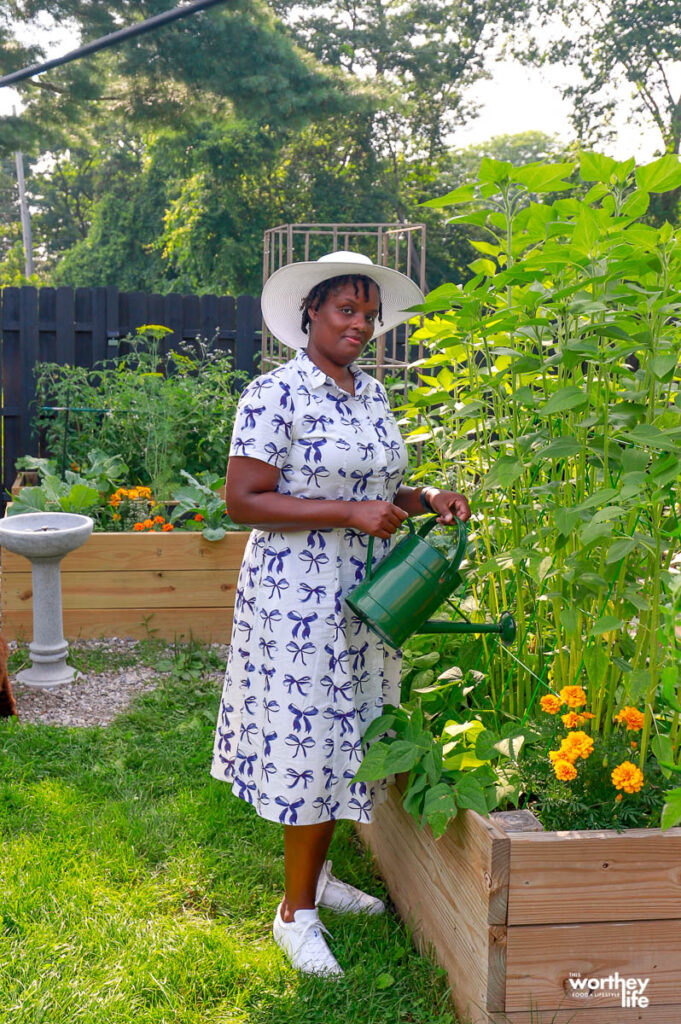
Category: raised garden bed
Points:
column 521, row 920
column 122, row 584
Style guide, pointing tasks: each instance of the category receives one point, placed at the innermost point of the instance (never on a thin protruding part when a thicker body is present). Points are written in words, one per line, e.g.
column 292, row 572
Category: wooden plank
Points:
column 66, row 346
column 100, row 348
column 29, row 354
column 605, row 862
column 248, row 321
column 145, row 588
column 667, row 1014
column 212, row 625
column 47, row 325
column 108, row 552
column 540, row 959
column 471, row 860
column 82, row 326
column 11, row 385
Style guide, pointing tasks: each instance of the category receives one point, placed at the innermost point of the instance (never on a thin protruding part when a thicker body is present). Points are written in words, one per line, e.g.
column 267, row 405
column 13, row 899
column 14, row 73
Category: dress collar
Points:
column 364, row 383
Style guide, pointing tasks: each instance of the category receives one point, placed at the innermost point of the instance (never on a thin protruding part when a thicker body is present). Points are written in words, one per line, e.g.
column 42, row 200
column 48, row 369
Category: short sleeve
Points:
column 263, row 421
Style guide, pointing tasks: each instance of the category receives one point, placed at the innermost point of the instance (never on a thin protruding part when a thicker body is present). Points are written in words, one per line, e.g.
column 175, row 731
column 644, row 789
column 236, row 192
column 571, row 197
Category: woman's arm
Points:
column 252, row 498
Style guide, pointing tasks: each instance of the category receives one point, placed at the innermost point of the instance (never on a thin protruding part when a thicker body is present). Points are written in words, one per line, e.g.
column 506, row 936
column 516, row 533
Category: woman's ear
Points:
column 312, row 313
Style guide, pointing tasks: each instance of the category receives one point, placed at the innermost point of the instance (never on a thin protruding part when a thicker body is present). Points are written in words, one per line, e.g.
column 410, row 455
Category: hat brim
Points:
column 285, row 290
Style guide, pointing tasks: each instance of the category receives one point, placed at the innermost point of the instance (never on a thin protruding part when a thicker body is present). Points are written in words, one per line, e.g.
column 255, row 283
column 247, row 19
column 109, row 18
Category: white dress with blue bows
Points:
column 304, row 676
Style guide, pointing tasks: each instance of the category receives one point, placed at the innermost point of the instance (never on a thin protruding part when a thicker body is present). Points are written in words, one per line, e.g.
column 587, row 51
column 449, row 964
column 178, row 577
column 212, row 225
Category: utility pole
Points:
column 25, row 215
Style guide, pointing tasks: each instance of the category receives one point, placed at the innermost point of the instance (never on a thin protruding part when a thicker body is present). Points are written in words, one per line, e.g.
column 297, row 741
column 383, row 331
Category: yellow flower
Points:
column 579, row 744
column 551, row 704
column 627, row 776
column 572, row 720
column 564, row 770
column 133, row 495
column 573, row 696
column 631, row 717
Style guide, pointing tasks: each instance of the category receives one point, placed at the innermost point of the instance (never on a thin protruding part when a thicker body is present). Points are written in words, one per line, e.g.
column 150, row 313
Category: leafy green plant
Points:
column 200, row 506
column 160, row 415
column 550, row 395
column 82, row 492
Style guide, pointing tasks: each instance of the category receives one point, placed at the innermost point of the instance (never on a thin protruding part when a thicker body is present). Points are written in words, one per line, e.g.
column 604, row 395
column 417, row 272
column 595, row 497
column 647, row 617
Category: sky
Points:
column 516, row 99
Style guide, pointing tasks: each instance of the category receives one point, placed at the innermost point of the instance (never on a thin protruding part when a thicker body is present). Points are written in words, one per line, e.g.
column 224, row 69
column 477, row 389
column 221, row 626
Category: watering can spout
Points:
column 505, row 628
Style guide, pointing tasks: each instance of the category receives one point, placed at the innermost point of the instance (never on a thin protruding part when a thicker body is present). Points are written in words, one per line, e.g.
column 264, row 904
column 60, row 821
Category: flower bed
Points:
column 532, row 925
column 127, row 584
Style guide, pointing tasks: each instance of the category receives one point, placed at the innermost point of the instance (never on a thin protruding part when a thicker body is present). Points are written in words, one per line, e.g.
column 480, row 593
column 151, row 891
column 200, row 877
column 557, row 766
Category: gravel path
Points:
column 94, row 699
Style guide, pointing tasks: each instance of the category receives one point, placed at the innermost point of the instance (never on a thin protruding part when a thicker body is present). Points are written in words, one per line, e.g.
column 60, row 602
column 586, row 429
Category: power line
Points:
column 111, row 40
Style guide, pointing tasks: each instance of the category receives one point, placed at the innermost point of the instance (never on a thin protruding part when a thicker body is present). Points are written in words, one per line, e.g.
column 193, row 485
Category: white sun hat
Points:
column 285, row 290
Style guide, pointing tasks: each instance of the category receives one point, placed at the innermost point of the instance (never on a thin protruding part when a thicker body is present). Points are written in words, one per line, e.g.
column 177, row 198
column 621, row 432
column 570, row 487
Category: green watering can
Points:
column 410, row 583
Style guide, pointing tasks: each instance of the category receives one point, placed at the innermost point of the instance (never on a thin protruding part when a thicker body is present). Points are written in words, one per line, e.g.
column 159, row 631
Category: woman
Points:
column 316, row 466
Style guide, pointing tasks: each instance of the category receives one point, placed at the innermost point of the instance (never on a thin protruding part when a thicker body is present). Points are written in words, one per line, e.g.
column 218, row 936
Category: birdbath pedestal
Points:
column 44, row 538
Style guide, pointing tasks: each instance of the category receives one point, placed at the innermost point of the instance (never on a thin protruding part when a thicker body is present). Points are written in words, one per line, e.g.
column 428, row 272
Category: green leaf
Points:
column 661, row 175
column 636, row 205
column 485, row 745
column 671, row 810
column 463, row 194
column 597, row 662
column 663, row 749
column 637, row 684
column 596, row 167
column 570, row 397
column 494, row 171
column 402, row 756
column 606, row 624
column 373, row 764
column 379, row 726
column 566, row 519
column 664, row 364
column 620, row 549
column 482, row 266
column 383, row 981
column 505, row 471
column 670, row 685
column 541, row 177
column 561, row 448
column 470, row 794
column 440, row 806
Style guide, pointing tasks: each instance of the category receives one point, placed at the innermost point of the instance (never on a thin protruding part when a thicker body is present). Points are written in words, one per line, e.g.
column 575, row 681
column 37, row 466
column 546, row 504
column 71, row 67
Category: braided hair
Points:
column 319, row 294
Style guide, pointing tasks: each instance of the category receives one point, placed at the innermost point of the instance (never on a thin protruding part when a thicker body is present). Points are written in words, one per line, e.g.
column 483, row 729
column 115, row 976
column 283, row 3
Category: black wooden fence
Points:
column 82, row 326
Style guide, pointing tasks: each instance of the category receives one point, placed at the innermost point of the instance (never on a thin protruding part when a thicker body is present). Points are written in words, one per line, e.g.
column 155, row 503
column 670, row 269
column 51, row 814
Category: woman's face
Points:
column 343, row 324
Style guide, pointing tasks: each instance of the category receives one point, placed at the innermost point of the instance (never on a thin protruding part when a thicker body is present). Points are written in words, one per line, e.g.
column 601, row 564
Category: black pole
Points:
column 105, row 41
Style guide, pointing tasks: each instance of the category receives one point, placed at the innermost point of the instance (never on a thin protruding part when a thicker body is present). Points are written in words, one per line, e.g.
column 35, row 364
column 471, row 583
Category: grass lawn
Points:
column 135, row 888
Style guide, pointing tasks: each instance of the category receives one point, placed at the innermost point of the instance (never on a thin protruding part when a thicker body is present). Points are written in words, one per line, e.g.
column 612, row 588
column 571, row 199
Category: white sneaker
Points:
column 304, row 944
column 343, row 898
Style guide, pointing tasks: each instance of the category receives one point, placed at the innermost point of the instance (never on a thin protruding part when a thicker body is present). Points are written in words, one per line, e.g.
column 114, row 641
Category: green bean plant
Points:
column 550, row 395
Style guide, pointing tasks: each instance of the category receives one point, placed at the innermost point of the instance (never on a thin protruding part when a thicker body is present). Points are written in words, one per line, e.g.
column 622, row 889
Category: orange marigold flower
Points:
column 138, row 526
column 116, row 515
column 564, row 770
column 627, row 776
column 572, row 720
column 631, row 717
column 75, row 467
column 618, row 797
column 587, row 714
column 148, row 524
column 634, row 744
column 159, row 520
column 551, row 704
column 573, row 696
column 198, row 518
column 579, row 744
column 167, row 527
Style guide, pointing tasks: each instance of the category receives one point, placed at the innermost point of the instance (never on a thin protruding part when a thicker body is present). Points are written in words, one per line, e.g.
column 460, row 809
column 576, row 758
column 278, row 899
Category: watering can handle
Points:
column 422, row 532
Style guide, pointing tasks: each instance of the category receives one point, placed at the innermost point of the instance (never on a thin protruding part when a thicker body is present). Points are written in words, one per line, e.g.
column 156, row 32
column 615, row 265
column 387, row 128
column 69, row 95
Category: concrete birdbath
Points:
column 44, row 538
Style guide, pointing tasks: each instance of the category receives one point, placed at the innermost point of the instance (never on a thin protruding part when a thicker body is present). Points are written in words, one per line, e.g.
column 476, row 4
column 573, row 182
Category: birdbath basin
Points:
column 44, row 538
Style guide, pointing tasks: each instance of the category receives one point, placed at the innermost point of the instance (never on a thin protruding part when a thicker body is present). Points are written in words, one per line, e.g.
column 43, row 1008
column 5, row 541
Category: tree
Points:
column 616, row 45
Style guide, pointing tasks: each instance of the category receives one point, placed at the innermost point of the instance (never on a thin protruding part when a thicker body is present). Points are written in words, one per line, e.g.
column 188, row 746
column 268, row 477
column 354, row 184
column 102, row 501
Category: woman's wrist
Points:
column 425, row 497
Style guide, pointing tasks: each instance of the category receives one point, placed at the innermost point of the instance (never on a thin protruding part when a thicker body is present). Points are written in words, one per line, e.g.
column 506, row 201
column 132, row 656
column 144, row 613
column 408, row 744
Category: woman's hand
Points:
column 448, row 505
column 379, row 518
